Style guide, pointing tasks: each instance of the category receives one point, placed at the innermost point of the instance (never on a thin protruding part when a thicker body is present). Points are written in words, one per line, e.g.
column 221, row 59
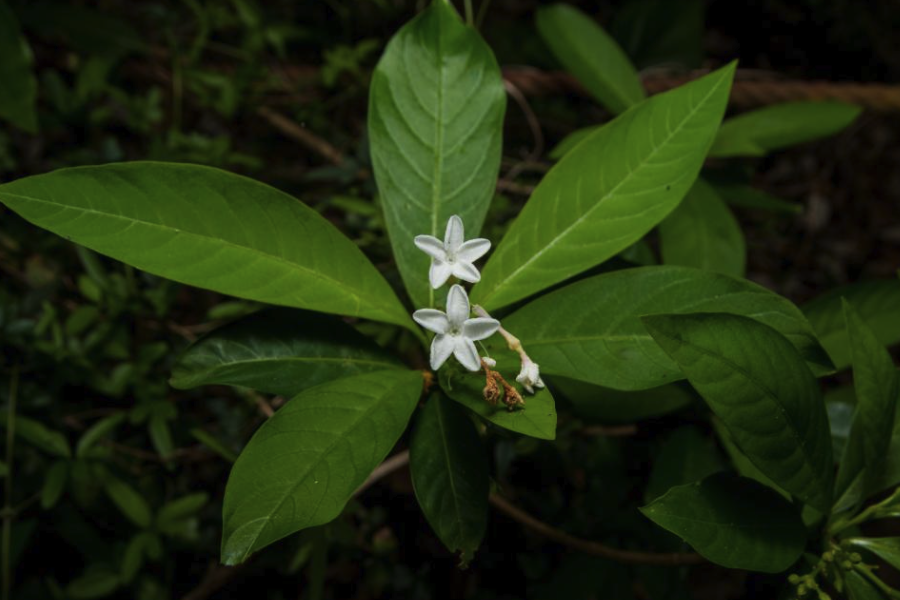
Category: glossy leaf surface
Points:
column 580, row 215
column 876, row 383
column 591, row 330
column 761, row 131
column 449, row 470
column 876, row 303
column 703, row 233
column 280, row 351
column 211, row 229
column 591, row 55
column 18, row 86
column 686, row 456
column 758, row 385
column 734, row 522
column 436, row 106
column 301, row 467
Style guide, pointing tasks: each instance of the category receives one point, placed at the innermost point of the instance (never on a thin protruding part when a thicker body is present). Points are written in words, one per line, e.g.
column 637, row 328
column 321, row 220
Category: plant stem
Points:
column 876, row 581
column 482, row 10
column 866, row 515
column 8, row 512
column 470, row 14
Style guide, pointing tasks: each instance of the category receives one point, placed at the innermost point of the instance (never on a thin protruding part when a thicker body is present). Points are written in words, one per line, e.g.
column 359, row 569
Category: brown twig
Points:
column 631, row 557
column 514, row 188
column 533, row 124
column 301, row 134
column 394, row 463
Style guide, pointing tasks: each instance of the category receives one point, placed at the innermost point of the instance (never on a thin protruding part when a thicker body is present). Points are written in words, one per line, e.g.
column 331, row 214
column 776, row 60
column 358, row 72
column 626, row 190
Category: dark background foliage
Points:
column 277, row 90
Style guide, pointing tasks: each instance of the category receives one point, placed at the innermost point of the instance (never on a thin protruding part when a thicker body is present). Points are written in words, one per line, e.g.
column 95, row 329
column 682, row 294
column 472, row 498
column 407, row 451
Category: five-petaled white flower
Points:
column 530, row 375
column 456, row 332
column 453, row 256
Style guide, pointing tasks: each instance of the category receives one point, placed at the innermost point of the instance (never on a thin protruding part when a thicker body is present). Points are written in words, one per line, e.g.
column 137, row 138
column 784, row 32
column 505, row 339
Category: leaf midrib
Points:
column 608, row 194
column 372, row 406
column 227, row 243
column 445, row 450
column 794, row 432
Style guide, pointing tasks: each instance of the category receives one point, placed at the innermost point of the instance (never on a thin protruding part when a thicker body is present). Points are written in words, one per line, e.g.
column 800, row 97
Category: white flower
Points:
column 530, row 375
column 453, row 256
column 456, row 332
column 490, row 362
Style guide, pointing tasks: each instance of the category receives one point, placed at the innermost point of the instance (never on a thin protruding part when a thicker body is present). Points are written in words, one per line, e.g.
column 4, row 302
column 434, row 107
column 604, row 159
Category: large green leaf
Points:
column 758, row 385
column 877, row 386
column 758, row 132
column 594, row 402
column 607, row 192
column 591, row 55
column 570, row 141
column 448, row 464
column 686, row 456
column 301, row 467
column 702, row 232
column 211, row 229
column 859, row 588
column 739, row 460
column 734, row 522
column 18, row 86
column 280, row 351
column 591, row 330
column 436, row 107
column 887, row 549
column 875, row 301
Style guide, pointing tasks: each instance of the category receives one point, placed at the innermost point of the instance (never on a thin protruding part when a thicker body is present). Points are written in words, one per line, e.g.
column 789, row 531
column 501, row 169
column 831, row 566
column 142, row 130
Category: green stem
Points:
column 470, row 14
column 869, row 513
column 482, row 11
column 876, row 581
column 8, row 512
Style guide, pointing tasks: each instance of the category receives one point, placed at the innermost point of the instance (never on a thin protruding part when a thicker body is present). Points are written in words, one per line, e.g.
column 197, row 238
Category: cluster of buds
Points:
column 456, row 331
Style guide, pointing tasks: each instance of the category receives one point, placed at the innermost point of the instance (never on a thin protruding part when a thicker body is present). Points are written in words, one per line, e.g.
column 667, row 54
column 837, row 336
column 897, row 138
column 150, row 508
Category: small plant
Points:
column 551, row 307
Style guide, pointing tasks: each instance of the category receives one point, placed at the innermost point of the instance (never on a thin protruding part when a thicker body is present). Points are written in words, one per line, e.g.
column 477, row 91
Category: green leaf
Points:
column 280, row 351
column 39, row 436
column 182, row 508
column 301, row 467
column 133, row 557
column 685, row 456
column 130, row 502
column 608, row 405
column 436, row 106
column 18, row 93
column 536, row 419
column 591, row 330
column 608, row 192
column 859, row 588
column 54, row 484
column 746, row 196
column 655, row 32
column 877, row 386
column 161, row 436
column 741, row 463
column 208, row 440
column 98, row 431
column 702, row 232
column 591, row 55
column 211, row 229
column 887, row 548
column 449, row 470
column 734, row 522
column 761, row 131
column 757, row 384
column 876, row 303
column 95, row 583
column 570, row 141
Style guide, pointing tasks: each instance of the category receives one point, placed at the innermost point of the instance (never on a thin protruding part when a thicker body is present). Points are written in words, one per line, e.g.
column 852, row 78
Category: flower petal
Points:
column 431, row 246
column 442, row 346
column 465, row 352
column 454, row 236
column 480, row 328
column 432, row 320
column 439, row 273
column 457, row 306
column 473, row 250
column 465, row 271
